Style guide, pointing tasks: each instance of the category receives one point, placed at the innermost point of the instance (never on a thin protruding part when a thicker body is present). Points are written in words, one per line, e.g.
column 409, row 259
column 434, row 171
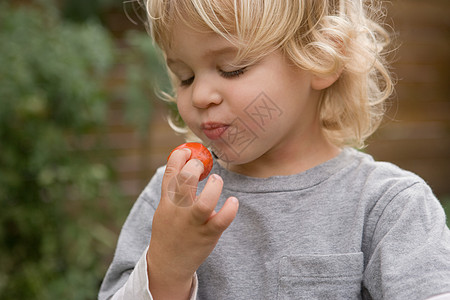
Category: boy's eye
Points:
column 234, row 73
column 225, row 74
column 187, row 82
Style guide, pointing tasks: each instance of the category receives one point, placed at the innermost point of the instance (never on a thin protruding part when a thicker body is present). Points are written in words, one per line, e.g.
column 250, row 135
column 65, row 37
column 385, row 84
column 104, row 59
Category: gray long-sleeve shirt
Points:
column 349, row 228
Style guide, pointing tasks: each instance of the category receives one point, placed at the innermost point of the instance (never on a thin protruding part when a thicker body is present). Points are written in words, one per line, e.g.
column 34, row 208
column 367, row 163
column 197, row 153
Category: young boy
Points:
column 280, row 91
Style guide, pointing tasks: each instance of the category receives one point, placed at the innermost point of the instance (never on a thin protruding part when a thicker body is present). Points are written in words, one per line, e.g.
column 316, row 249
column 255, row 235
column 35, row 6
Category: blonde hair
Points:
column 323, row 36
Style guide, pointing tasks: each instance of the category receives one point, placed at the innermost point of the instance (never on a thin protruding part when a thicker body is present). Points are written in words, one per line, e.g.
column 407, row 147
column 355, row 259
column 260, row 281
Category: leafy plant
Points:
column 82, row 10
column 445, row 200
column 146, row 77
column 57, row 195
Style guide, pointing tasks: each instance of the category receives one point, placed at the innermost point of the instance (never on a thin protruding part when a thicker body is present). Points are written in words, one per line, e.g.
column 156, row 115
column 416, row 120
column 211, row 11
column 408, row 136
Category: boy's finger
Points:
column 207, row 201
column 182, row 188
column 221, row 220
column 175, row 163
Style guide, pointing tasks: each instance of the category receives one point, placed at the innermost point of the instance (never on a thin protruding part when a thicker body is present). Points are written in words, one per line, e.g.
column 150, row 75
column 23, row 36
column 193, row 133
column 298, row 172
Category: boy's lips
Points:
column 213, row 130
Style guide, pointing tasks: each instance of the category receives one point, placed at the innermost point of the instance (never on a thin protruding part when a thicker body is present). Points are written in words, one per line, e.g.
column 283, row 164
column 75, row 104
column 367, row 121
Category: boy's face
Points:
column 251, row 117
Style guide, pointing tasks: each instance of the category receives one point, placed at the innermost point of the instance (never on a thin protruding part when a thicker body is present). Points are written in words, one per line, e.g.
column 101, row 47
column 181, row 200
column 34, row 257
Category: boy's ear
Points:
column 322, row 82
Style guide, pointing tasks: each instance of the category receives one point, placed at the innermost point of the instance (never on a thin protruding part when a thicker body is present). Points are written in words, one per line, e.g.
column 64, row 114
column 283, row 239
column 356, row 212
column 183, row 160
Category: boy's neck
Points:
column 287, row 161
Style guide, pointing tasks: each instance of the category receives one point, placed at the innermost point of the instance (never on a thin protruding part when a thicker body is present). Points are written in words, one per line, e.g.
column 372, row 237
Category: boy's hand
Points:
column 185, row 229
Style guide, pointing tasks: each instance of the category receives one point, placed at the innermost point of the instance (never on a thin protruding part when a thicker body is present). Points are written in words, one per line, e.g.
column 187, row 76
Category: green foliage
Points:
column 82, row 10
column 56, row 191
column 146, row 76
column 445, row 200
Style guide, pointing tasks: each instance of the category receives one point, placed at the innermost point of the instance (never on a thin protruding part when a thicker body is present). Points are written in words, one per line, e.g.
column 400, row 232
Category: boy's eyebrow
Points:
column 208, row 53
column 222, row 50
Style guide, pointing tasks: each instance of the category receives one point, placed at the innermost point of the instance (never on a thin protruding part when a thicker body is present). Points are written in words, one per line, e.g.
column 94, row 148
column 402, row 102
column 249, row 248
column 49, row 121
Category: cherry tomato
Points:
column 200, row 152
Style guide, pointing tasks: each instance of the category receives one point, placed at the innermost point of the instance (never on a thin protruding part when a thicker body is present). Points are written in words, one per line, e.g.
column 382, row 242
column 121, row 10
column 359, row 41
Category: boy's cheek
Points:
column 262, row 112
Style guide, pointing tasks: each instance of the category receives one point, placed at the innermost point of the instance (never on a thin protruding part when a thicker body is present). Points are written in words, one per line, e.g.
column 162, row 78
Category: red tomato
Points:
column 200, row 152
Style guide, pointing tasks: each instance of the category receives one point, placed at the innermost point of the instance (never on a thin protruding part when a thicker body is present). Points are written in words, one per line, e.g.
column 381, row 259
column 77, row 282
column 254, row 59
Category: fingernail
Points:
column 186, row 150
column 215, row 177
column 199, row 163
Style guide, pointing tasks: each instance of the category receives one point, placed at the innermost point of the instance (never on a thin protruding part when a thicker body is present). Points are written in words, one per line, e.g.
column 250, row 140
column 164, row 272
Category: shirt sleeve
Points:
column 410, row 247
column 136, row 287
column 441, row 297
column 126, row 277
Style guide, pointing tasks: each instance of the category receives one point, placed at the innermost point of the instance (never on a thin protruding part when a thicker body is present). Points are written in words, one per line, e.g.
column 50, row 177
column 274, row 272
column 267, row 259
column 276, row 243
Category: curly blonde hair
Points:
column 323, row 36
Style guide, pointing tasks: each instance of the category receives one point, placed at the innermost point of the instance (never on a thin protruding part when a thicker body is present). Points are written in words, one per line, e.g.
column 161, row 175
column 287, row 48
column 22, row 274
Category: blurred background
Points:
column 82, row 130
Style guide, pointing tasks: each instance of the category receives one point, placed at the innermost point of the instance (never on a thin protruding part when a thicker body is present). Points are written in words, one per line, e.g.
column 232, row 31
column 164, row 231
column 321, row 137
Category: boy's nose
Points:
column 205, row 93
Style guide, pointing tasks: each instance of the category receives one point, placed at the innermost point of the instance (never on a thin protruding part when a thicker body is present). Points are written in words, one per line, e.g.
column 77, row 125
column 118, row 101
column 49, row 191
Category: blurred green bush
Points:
column 146, row 77
column 445, row 200
column 60, row 205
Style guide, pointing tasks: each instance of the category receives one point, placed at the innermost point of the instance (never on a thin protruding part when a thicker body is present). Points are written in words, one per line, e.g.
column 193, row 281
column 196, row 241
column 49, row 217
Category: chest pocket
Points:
column 336, row 276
